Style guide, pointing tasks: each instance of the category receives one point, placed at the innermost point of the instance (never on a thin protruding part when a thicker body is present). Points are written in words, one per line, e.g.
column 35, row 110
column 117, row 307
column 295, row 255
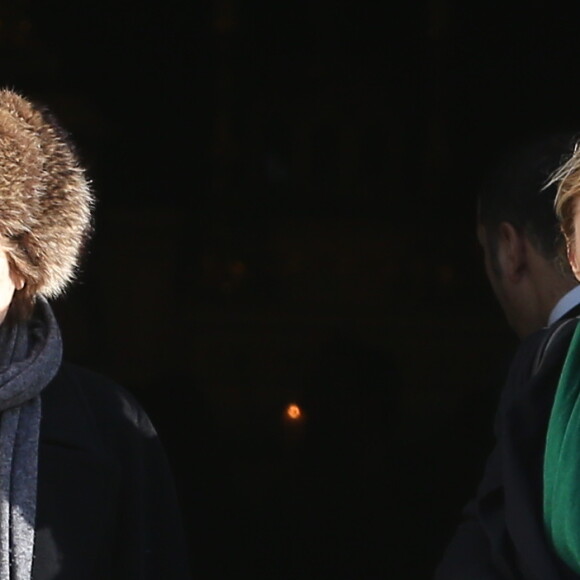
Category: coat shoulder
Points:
column 79, row 396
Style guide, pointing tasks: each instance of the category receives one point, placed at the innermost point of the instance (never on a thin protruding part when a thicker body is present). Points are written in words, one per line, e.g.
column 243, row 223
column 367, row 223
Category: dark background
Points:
column 286, row 214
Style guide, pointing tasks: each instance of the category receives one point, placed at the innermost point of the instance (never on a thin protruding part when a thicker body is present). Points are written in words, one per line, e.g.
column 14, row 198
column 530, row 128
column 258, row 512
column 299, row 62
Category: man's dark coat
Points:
column 106, row 505
column 502, row 536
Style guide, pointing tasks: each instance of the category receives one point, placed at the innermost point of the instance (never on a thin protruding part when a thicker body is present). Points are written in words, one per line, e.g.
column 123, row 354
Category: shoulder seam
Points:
column 547, row 342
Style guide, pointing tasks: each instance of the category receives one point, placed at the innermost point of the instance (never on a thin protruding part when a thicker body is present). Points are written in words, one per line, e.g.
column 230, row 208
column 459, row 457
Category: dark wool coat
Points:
column 107, row 507
column 502, row 536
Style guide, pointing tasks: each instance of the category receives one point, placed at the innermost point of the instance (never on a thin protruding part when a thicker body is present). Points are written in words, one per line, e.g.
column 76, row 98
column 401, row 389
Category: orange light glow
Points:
column 293, row 412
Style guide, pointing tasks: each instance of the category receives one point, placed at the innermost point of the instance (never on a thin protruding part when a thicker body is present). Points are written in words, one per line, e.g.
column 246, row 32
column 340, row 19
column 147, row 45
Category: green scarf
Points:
column 562, row 462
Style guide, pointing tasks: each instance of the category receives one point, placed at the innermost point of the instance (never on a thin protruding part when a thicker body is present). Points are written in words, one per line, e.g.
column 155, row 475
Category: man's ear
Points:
column 17, row 280
column 511, row 252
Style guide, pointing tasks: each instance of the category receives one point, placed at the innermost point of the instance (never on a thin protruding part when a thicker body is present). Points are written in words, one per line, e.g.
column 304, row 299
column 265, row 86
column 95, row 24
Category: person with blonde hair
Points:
column 561, row 508
column 85, row 488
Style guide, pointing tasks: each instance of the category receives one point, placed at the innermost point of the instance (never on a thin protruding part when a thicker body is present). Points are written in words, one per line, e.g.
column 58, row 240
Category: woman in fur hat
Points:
column 85, row 489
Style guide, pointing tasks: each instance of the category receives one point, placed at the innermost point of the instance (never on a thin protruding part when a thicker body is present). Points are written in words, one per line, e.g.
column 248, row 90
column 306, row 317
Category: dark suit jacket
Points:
column 502, row 535
column 106, row 506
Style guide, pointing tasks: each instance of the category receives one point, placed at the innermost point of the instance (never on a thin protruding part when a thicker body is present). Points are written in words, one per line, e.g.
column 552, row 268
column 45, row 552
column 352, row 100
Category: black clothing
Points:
column 106, row 506
column 502, row 536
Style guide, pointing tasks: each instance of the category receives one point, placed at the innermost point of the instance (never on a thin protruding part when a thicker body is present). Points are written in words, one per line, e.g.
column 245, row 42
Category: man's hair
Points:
column 519, row 191
column 45, row 201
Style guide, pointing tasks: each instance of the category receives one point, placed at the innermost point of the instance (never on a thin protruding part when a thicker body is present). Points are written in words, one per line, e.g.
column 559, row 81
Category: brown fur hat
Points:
column 45, row 199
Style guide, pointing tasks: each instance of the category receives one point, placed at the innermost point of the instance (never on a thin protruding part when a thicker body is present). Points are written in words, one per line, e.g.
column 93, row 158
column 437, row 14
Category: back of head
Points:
column 516, row 192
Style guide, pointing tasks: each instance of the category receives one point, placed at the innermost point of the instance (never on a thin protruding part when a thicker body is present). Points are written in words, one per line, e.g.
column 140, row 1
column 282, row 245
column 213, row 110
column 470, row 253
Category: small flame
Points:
column 293, row 412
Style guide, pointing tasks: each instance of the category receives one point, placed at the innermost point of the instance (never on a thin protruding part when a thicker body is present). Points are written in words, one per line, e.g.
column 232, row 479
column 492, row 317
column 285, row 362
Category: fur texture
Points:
column 45, row 199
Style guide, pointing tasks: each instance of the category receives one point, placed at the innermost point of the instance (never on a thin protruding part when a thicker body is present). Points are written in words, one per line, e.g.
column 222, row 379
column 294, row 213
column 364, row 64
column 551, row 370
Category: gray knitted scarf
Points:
column 30, row 355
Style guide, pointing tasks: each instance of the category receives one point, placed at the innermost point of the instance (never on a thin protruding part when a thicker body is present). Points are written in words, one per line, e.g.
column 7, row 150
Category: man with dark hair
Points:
column 521, row 239
column 502, row 534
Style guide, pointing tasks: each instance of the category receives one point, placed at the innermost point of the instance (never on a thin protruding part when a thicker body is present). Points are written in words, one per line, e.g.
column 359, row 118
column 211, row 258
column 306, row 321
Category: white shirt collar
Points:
column 565, row 304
